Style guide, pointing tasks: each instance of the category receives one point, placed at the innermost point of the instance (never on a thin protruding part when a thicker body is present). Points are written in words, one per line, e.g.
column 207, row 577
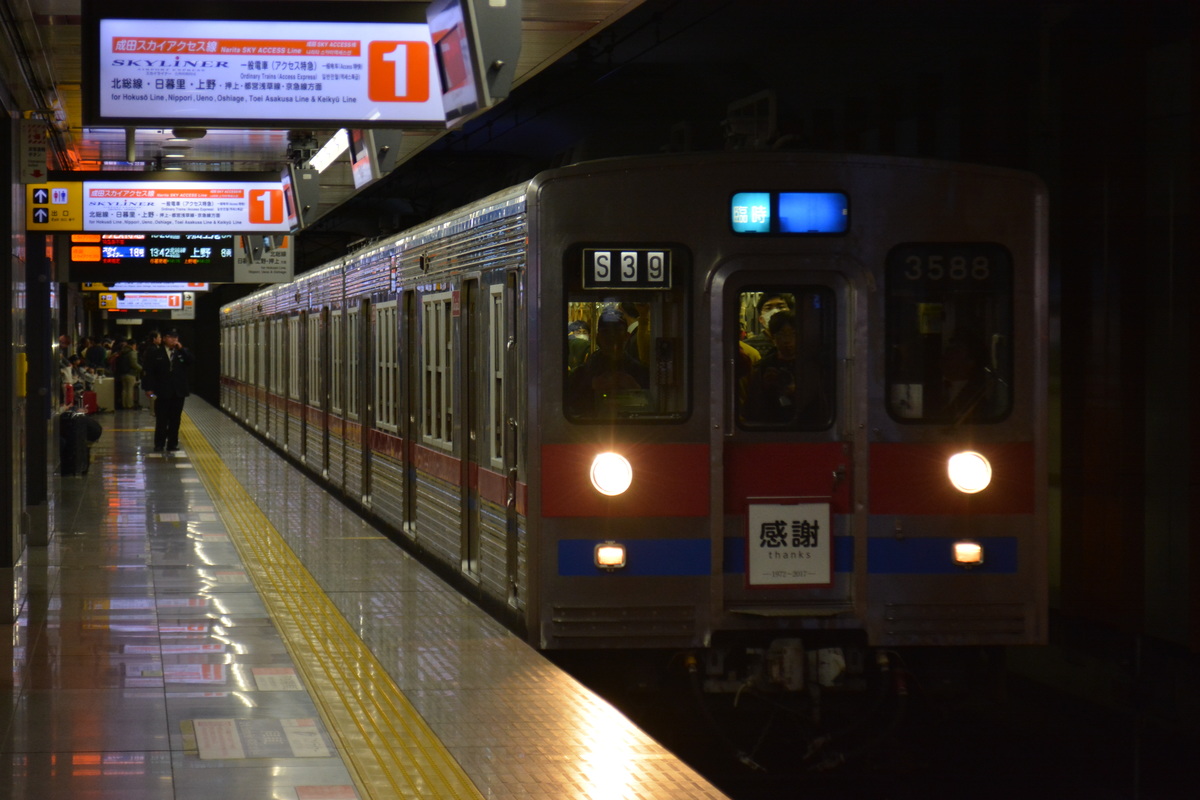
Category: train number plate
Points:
column 789, row 545
column 626, row 268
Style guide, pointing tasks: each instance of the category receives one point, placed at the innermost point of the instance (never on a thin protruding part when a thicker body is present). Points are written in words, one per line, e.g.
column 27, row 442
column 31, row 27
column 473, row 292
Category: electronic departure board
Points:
column 107, row 258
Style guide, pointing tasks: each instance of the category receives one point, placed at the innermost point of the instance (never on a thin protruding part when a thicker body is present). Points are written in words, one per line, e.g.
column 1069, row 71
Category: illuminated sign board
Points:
column 135, row 301
column 109, row 258
column 293, row 72
column 791, row 213
column 192, row 205
column 145, row 286
column 154, row 205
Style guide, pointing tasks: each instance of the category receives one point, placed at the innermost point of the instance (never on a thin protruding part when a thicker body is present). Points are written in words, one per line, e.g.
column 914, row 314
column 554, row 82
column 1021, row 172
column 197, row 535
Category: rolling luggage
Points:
column 73, row 452
column 90, row 404
column 105, row 394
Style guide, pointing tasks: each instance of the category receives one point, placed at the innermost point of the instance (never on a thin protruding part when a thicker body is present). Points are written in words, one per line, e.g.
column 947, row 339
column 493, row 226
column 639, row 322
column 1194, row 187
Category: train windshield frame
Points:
column 949, row 333
column 628, row 312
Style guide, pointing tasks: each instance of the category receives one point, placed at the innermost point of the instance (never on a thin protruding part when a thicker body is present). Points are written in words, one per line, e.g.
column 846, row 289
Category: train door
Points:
column 505, row 379
column 300, row 365
column 470, row 370
column 411, row 381
column 786, row 547
column 362, row 358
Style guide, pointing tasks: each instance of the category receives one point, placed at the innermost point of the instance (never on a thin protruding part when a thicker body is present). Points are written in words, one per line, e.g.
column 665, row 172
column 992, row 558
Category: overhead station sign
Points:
column 131, row 301
column 291, row 73
column 145, row 286
column 153, row 205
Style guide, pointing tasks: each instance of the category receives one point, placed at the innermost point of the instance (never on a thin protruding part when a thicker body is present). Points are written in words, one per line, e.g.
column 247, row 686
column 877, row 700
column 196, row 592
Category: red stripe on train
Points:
column 792, row 470
column 669, row 480
column 911, row 479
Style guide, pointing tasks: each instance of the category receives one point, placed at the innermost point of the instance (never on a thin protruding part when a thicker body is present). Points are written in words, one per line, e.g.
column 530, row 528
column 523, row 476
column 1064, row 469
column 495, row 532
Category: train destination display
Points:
column 193, row 257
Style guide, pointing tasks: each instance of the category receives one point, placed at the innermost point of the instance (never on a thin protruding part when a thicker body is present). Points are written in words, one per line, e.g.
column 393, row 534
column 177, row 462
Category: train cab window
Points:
column 949, row 333
column 626, row 320
column 625, row 357
column 786, row 358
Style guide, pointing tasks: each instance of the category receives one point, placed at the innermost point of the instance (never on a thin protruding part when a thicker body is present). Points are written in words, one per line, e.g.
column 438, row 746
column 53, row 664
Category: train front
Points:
column 786, row 401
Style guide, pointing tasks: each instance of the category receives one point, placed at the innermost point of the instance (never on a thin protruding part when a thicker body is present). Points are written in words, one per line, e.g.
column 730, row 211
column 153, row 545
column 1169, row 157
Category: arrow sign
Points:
column 41, row 196
column 41, row 215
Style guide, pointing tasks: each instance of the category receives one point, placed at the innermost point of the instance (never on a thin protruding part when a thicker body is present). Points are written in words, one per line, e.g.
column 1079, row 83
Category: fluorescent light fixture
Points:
column 337, row 144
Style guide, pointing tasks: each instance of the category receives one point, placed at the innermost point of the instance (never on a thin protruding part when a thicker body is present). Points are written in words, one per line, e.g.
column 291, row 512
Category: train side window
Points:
column 353, row 360
column 313, row 371
column 787, row 357
column 497, row 339
column 387, row 367
column 293, row 351
column 437, row 364
column 337, row 344
column 949, row 333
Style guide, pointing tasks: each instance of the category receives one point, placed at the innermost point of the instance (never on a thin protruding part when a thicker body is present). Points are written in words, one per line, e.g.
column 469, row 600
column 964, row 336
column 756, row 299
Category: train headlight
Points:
column 611, row 473
column 609, row 555
column 970, row 472
column 968, row 553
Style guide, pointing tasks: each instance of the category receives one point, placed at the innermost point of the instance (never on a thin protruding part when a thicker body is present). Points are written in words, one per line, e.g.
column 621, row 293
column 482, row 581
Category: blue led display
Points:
column 793, row 213
column 813, row 212
column 750, row 212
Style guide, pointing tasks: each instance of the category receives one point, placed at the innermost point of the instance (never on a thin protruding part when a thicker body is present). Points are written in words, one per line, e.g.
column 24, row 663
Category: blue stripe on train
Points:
column 920, row 556
column 691, row 557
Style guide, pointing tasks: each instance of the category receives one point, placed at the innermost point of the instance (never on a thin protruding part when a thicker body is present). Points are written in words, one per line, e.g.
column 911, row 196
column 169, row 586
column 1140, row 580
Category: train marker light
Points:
column 970, row 472
column 609, row 555
column 611, row 474
column 968, row 553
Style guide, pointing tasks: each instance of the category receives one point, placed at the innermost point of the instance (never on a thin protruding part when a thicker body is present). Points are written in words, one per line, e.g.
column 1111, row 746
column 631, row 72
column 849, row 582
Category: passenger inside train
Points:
column 785, row 388
column 611, row 380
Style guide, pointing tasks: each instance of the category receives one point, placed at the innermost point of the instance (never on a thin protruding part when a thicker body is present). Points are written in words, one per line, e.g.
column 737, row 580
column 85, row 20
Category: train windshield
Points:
column 627, row 318
column 949, row 333
column 786, row 357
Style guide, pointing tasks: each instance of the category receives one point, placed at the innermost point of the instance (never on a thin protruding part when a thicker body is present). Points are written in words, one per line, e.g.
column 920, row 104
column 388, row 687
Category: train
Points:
column 736, row 402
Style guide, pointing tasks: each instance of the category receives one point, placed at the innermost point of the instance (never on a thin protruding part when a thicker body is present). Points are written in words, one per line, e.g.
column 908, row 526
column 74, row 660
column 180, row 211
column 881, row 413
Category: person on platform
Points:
column 166, row 378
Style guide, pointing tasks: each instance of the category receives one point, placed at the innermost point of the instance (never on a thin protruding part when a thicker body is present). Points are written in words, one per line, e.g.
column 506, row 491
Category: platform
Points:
column 211, row 623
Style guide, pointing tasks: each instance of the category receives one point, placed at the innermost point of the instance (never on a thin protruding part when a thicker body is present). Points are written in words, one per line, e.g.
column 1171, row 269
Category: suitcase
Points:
column 73, row 452
column 105, row 391
column 90, row 404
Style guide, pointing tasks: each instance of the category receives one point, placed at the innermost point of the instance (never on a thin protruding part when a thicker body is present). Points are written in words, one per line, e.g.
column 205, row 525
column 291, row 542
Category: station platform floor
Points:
column 211, row 623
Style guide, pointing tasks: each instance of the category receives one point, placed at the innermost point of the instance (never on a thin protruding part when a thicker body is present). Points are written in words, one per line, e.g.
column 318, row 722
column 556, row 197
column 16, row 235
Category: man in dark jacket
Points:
column 167, row 374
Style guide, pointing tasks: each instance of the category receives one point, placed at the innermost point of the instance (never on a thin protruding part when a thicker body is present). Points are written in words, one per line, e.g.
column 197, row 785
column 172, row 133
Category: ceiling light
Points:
column 337, row 144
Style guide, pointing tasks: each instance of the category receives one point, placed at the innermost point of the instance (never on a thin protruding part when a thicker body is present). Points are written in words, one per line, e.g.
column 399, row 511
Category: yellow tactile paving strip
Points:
column 384, row 741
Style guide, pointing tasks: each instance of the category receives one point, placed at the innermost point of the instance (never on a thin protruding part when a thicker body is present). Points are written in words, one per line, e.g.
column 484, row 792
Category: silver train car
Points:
column 680, row 401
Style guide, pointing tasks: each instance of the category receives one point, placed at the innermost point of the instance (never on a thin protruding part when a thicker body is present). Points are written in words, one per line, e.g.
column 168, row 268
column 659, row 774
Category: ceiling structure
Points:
column 46, row 39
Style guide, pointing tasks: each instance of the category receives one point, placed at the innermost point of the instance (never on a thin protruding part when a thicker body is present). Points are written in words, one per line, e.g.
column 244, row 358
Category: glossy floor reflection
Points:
column 203, row 623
